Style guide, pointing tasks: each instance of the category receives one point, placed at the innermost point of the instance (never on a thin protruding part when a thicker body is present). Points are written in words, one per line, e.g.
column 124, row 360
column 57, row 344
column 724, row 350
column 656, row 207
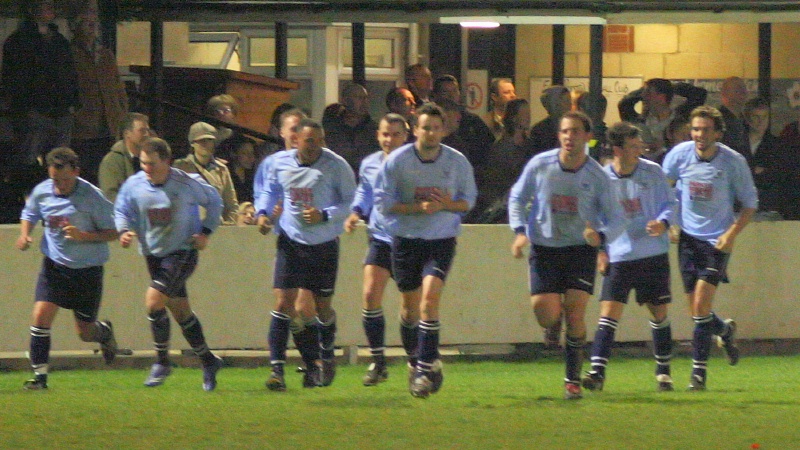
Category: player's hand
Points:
column 655, row 228
column 444, row 198
column 312, row 215
column 351, row 222
column 24, row 242
column 591, row 236
column 602, row 263
column 277, row 210
column 674, row 234
column 264, row 225
column 431, row 207
column 520, row 242
column 126, row 238
column 199, row 241
column 725, row 242
column 73, row 233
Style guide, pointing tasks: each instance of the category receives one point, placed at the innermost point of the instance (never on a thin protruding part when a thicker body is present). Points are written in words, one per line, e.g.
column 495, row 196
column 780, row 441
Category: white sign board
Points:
column 476, row 91
column 613, row 89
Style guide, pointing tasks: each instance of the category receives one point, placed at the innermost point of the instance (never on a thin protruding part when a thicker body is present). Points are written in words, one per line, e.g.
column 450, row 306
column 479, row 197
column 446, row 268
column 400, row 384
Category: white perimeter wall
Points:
column 485, row 300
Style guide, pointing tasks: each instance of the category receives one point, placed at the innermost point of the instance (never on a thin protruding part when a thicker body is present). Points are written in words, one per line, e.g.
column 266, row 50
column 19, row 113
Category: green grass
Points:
column 482, row 405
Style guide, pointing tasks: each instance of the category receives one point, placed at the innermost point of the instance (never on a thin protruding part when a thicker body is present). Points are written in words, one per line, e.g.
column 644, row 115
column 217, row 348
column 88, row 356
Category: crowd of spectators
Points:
column 57, row 93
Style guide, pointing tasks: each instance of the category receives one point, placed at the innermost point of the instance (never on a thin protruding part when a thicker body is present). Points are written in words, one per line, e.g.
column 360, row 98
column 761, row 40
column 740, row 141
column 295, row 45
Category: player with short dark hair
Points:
column 571, row 213
column 392, row 134
column 710, row 178
column 159, row 206
column 423, row 190
column 78, row 222
column 637, row 259
column 316, row 187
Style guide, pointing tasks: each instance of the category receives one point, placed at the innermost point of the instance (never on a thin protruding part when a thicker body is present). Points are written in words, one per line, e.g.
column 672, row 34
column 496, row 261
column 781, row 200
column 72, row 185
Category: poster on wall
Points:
column 476, row 91
column 613, row 89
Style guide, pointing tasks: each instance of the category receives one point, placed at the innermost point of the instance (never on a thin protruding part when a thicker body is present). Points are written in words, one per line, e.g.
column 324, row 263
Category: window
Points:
column 384, row 51
column 212, row 50
column 262, row 51
column 378, row 53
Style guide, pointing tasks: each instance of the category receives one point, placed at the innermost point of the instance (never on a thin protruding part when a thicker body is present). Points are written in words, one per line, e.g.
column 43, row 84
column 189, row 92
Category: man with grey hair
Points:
column 351, row 133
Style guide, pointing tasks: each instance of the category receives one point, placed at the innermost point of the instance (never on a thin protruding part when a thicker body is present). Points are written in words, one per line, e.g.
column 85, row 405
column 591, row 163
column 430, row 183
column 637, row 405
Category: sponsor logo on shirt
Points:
column 301, row 197
column 564, row 204
column 159, row 216
column 700, row 191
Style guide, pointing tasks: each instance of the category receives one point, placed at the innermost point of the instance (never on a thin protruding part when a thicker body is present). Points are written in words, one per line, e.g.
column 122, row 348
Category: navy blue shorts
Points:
column 553, row 270
column 415, row 259
column 648, row 276
column 301, row 266
column 169, row 273
column 699, row 260
column 379, row 254
column 77, row 289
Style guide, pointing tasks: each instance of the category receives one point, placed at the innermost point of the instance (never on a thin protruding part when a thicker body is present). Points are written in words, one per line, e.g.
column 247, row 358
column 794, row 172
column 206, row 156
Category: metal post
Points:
column 359, row 66
column 281, row 50
column 559, row 34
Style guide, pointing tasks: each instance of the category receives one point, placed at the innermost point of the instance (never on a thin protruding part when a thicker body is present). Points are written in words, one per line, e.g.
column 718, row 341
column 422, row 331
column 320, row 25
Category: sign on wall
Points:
column 476, row 91
column 613, row 89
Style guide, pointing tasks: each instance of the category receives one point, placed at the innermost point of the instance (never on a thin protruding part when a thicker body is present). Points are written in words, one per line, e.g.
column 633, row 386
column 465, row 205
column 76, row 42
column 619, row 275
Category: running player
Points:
column 392, row 133
column 710, row 177
column 423, row 190
column 78, row 222
column 570, row 204
column 638, row 257
column 159, row 207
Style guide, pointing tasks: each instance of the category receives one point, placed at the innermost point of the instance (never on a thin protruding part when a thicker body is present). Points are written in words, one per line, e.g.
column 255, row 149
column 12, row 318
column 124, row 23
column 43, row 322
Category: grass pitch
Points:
column 481, row 405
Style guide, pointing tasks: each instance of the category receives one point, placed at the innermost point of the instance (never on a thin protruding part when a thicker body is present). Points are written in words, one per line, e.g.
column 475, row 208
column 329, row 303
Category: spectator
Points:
column 501, row 91
column 201, row 160
column 471, row 129
column 678, row 130
column 420, row 82
column 595, row 107
column 774, row 174
column 123, row 159
column 544, row 135
column 102, row 94
column 223, row 107
column 507, row 157
column 247, row 214
column 351, row 133
column 658, row 111
column 269, row 147
column 401, row 101
column 40, row 87
column 733, row 95
column 242, row 167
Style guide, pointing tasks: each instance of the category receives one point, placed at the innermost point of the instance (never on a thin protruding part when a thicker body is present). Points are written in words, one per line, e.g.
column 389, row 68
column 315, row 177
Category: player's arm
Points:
column 726, row 240
column 24, row 240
